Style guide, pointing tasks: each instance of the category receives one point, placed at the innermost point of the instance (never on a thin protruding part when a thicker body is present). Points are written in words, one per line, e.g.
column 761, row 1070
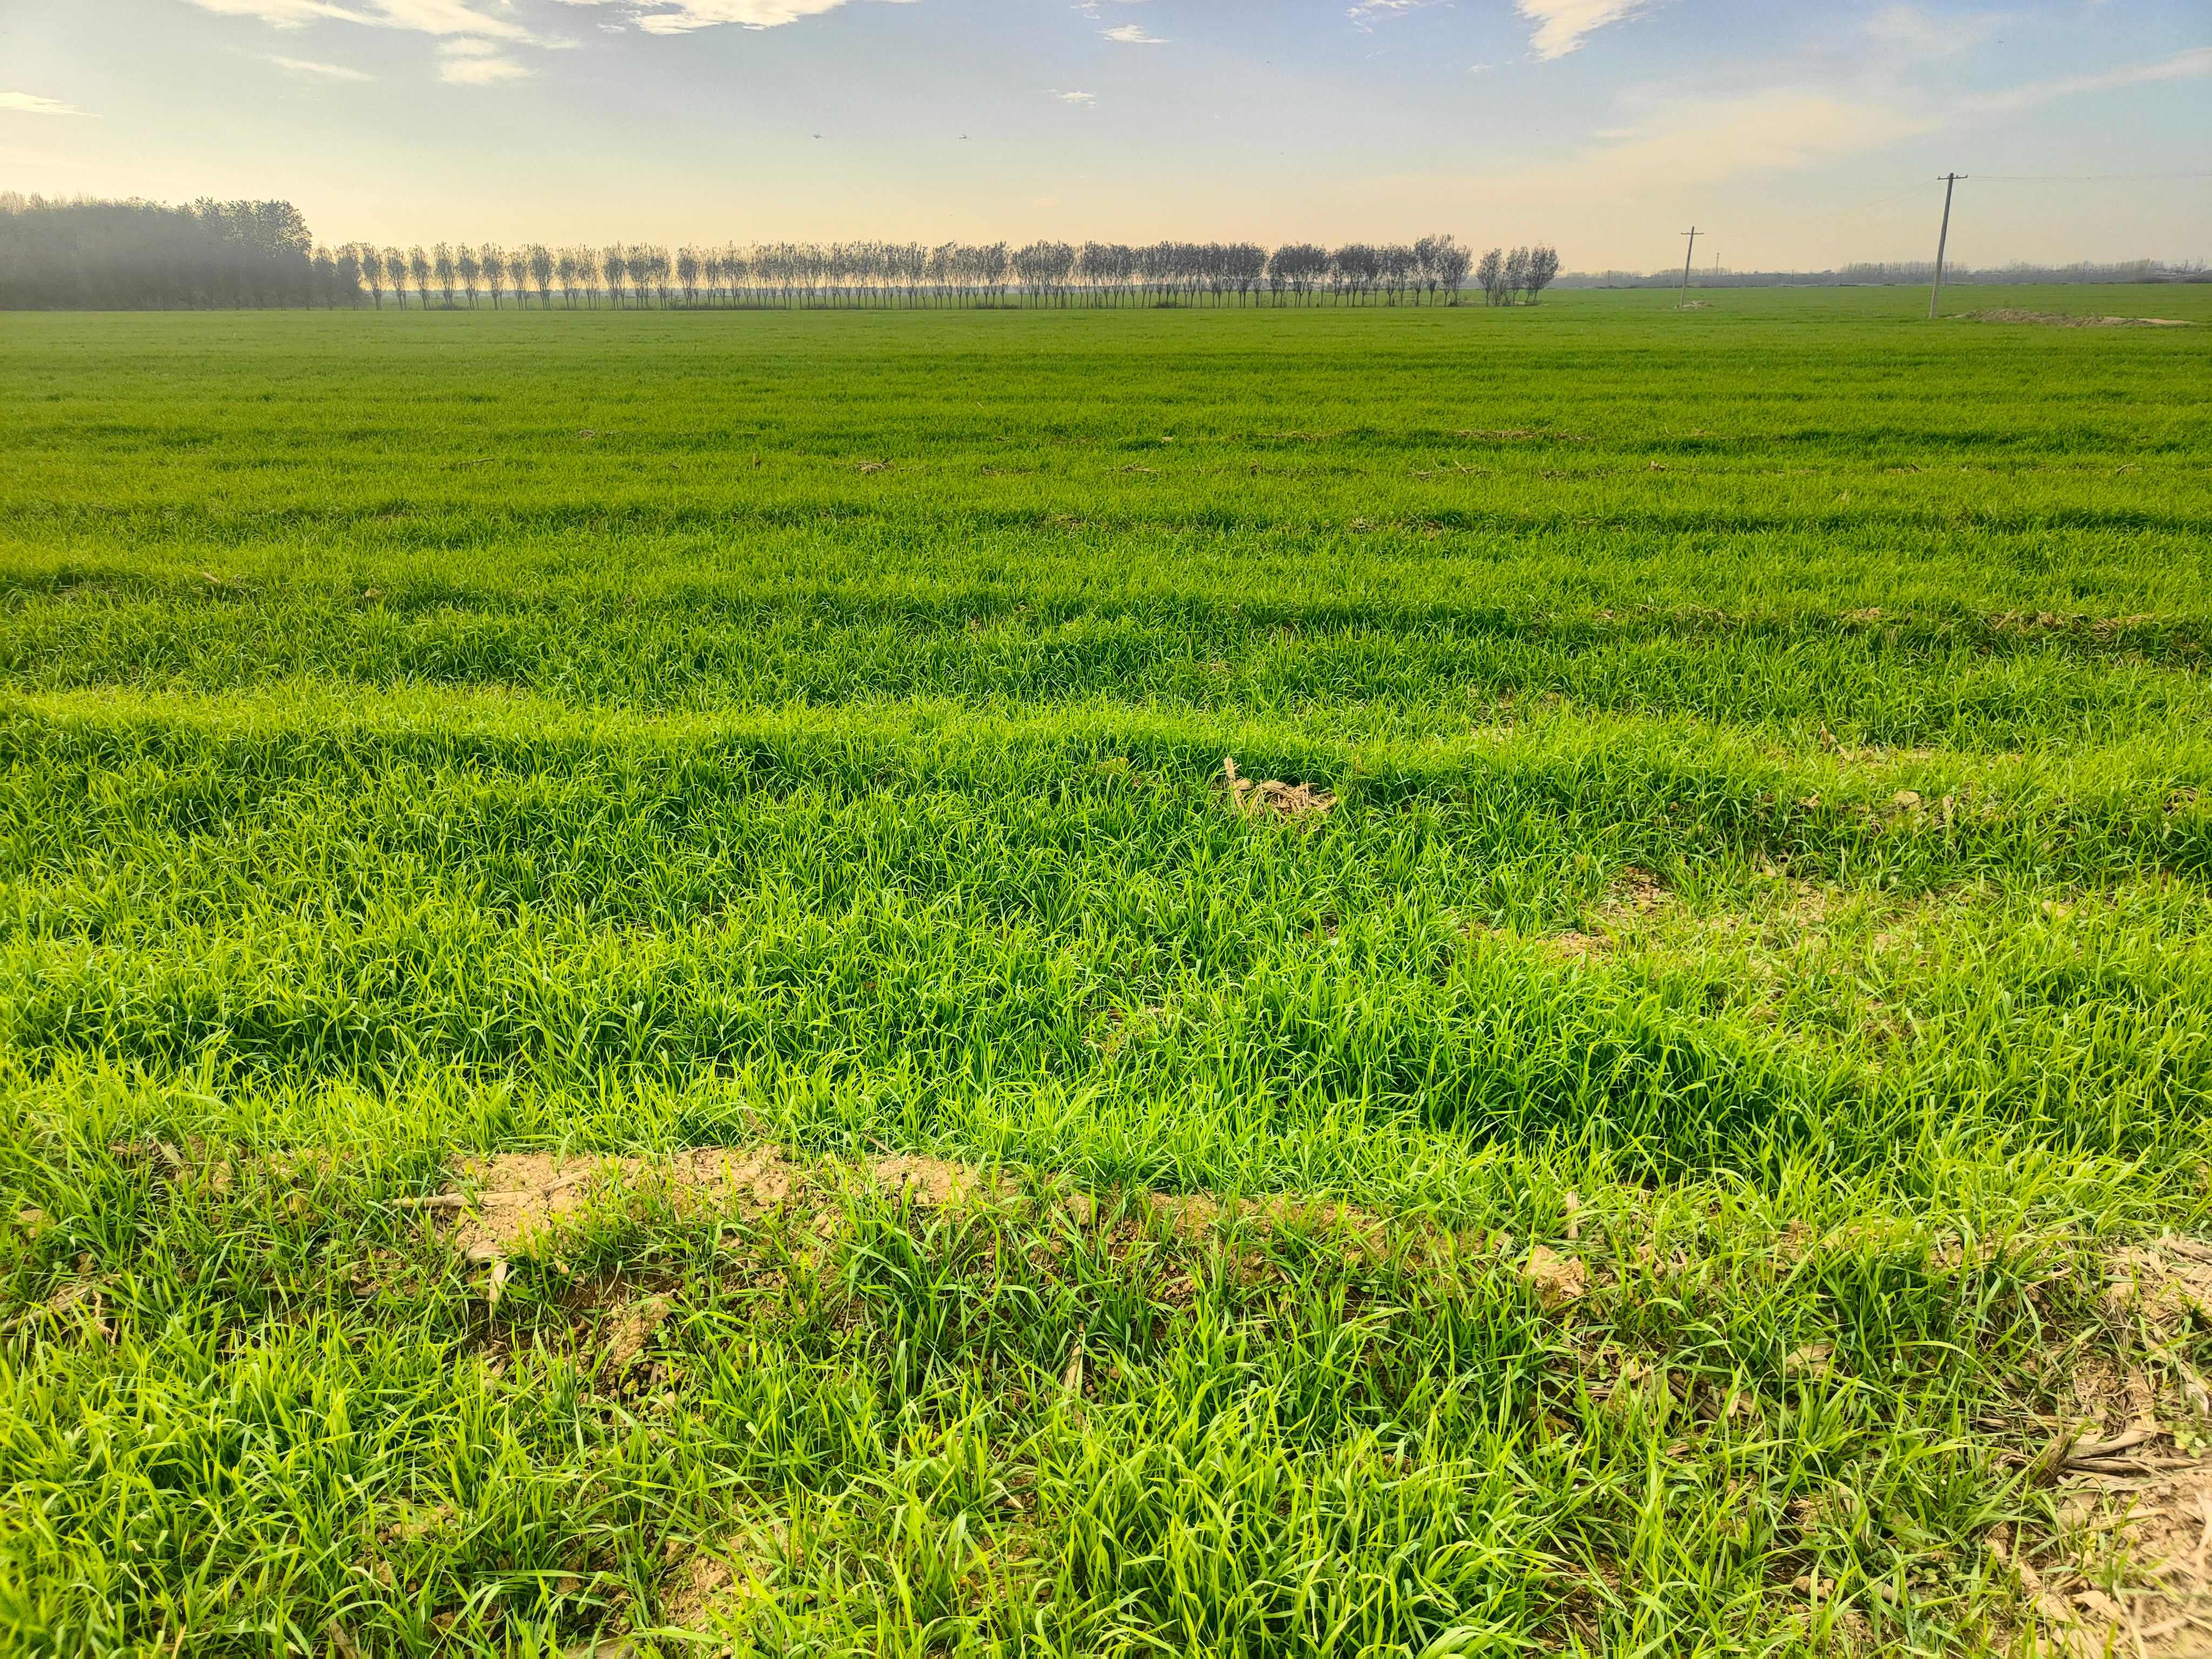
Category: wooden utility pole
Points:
column 1942, row 237
column 1688, row 255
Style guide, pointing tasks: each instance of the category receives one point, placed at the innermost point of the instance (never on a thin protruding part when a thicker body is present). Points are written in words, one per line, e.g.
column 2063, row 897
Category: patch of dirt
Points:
column 1287, row 800
column 2136, row 1507
column 512, row 1200
column 1574, row 947
column 1559, row 1279
column 2063, row 319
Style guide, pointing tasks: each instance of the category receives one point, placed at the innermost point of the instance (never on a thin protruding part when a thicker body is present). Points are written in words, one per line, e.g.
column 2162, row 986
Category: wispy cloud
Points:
column 1132, row 34
column 474, row 71
column 1918, row 34
column 1368, row 13
column 1077, row 97
column 1786, row 128
column 682, row 16
column 29, row 103
column 326, row 71
column 1564, row 25
column 438, row 17
column 2182, row 66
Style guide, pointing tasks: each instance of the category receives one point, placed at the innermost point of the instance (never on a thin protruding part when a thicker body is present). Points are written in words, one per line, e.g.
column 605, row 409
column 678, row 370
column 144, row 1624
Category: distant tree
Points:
column 1517, row 275
column 472, row 271
column 614, row 264
column 441, row 262
column 492, row 258
column 1042, row 268
column 371, row 261
column 395, row 272
column 567, row 267
column 347, row 269
column 1298, row 267
column 688, row 266
column 420, row 267
column 1490, row 271
column 1354, row 269
column 1443, row 265
column 537, row 262
column 1243, row 268
column 1543, row 266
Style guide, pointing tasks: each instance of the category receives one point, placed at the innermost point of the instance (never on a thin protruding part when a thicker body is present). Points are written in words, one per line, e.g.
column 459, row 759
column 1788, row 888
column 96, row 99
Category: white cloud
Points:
column 681, row 17
column 284, row 14
column 29, row 103
column 1077, row 97
column 1368, row 13
column 438, row 17
column 1132, row 34
column 473, row 71
column 1562, row 25
column 327, row 71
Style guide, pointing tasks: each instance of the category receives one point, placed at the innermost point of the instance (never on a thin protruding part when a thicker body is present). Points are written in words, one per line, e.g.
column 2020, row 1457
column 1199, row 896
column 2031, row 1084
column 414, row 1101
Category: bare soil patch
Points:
column 2062, row 320
column 511, row 1202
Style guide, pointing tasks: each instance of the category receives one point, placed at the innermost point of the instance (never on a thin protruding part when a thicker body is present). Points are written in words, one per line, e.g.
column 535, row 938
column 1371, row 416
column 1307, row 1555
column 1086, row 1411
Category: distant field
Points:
column 1687, row 1132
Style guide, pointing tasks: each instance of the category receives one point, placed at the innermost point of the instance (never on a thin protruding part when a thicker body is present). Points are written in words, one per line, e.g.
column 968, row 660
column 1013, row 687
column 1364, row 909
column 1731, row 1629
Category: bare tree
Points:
column 371, row 261
column 1490, row 271
column 442, row 261
column 1543, row 266
column 420, row 267
column 1517, row 275
column 615, row 264
column 688, row 264
column 395, row 272
column 472, row 271
column 540, row 263
column 518, row 273
column 492, row 260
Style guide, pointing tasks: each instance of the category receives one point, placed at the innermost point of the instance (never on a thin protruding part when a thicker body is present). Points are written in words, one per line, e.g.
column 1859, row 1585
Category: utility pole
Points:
column 1691, row 233
column 1942, row 237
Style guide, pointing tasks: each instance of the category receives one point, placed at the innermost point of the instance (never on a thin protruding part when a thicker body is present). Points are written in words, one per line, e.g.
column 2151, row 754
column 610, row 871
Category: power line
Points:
column 2081, row 177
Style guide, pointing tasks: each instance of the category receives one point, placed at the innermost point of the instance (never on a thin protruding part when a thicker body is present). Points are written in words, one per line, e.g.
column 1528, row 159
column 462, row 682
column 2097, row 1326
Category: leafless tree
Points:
column 1543, row 266
column 1517, row 275
column 492, row 260
column 471, row 269
column 1490, row 271
column 442, row 261
column 372, row 273
column 614, row 264
column 538, row 261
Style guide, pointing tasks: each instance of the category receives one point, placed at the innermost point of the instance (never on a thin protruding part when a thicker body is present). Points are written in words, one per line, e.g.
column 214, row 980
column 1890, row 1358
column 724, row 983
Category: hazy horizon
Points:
column 1602, row 126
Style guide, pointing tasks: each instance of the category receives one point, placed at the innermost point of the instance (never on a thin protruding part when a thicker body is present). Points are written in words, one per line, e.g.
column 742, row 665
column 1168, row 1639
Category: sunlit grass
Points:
column 1768, row 869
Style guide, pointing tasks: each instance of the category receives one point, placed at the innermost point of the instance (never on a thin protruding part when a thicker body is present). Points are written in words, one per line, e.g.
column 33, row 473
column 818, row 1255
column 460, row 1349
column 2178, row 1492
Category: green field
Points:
column 1679, row 1158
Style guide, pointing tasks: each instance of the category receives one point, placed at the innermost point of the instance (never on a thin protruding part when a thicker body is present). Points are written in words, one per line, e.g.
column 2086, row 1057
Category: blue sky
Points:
column 1797, row 136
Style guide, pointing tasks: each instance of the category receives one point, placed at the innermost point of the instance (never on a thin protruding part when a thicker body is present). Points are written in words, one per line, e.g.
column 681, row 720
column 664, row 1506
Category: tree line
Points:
column 138, row 254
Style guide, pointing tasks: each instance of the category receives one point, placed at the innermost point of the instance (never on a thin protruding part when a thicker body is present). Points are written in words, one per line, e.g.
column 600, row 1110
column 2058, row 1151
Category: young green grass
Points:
column 1654, row 1168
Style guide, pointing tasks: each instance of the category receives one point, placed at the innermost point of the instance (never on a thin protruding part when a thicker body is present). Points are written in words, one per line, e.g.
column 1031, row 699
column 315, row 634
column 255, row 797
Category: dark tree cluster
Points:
column 1516, row 278
column 141, row 254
